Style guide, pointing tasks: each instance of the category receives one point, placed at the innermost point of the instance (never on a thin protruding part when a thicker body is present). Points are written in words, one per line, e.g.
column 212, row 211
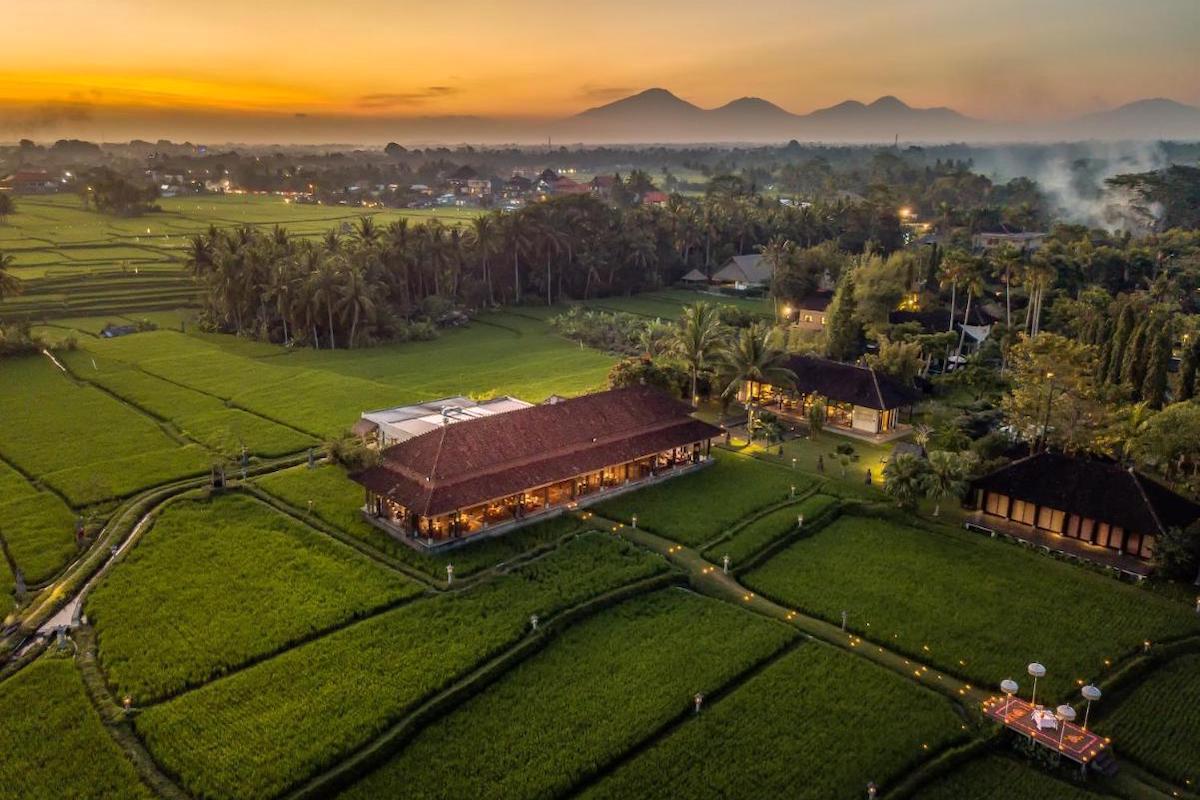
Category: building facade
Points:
column 489, row 474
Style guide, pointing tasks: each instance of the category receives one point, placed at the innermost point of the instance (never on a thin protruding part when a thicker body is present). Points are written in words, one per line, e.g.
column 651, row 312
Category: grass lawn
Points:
column 1158, row 724
column 599, row 689
column 39, row 530
column 695, row 508
column 257, row 732
column 217, row 583
column 337, row 501
column 971, row 605
column 53, row 741
column 79, row 440
column 810, row 725
column 1002, row 778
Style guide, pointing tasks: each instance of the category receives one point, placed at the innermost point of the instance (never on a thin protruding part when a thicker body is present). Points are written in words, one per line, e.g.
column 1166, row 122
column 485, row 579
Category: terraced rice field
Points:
column 1001, row 778
column 1158, row 724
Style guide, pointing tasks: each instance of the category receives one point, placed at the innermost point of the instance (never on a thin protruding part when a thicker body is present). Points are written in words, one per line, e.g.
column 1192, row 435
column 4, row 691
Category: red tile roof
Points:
column 475, row 461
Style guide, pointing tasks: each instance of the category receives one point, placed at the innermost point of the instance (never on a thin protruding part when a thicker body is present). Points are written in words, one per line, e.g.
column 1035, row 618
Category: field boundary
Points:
column 359, row 763
column 755, row 516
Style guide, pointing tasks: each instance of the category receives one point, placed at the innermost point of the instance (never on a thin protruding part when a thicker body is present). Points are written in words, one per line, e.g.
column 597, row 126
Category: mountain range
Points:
column 657, row 115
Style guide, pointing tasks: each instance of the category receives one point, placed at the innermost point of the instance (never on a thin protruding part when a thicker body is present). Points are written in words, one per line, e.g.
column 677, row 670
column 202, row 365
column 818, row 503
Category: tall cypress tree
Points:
column 1154, row 387
column 844, row 332
column 1187, row 370
column 1133, row 366
column 1125, row 325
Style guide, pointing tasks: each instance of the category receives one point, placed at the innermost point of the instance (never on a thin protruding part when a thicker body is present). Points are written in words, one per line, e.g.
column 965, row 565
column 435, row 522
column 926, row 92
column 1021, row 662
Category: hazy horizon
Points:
column 359, row 73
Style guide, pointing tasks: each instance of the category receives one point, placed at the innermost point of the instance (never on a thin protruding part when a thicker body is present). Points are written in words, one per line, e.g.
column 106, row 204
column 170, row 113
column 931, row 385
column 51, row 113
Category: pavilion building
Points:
column 858, row 400
column 1100, row 504
column 488, row 474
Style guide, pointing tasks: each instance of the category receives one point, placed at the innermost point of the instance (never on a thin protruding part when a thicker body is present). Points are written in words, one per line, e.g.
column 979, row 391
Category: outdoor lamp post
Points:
column 793, row 487
column 799, row 520
column 449, row 574
column 845, row 615
column 533, row 622
column 872, row 790
column 725, row 563
column 633, row 521
column 794, row 466
column 1065, row 714
column 698, row 700
column 1036, row 671
column 1009, row 687
column 1090, row 693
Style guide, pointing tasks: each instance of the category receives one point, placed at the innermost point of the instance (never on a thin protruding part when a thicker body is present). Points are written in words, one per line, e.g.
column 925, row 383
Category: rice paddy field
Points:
column 972, row 606
column 1159, row 723
column 53, row 741
column 1000, row 778
column 78, row 262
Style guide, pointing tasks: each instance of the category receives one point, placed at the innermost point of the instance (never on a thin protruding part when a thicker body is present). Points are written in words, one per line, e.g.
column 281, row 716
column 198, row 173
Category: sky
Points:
column 160, row 68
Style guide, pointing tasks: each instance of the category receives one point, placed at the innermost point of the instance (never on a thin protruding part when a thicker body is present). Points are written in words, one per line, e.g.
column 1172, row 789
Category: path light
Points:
column 533, row 622
column 725, row 562
column 1197, row 599
column 698, row 700
column 1146, row 646
column 634, row 521
column 1009, row 687
column 1091, row 694
column 872, row 790
column 449, row 574
column 799, row 520
column 845, row 614
column 1036, row 671
column 793, row 490
column 1065, row 714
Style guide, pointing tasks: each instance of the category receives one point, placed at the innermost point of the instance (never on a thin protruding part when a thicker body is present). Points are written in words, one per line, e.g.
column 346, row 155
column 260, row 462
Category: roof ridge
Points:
column 878, row 391
column 1137, row 481
column 437, row 455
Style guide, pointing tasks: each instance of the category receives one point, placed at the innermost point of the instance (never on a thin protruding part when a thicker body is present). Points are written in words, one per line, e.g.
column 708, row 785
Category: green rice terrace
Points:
column 753, row 628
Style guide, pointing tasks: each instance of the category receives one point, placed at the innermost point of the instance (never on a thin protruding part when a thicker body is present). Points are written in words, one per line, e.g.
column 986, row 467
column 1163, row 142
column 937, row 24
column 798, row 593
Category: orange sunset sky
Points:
column 160, row 67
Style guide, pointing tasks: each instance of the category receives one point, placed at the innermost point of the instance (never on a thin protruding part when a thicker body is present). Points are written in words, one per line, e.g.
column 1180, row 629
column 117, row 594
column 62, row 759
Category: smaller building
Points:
column 1025, row 241
column 694, row 278
column 1094, row 501
column 809, row 313
column 30, row 181
column 744, row 272
column 858, row 400
column 390, row 426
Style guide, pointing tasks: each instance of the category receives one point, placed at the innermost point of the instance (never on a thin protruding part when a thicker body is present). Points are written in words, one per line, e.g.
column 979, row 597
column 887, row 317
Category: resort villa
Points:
column 858, row 400
column 490, row 473
column 1093, row 508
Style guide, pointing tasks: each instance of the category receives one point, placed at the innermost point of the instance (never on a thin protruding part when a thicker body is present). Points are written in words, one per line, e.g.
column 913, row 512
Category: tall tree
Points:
column 10, row 284
column 946, row 478
column 904, row 479
column 844, row 330
column 698, row 340
column 752, row 358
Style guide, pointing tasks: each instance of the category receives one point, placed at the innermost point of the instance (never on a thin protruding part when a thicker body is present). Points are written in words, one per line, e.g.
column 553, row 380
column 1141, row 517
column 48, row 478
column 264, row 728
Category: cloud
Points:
column 590, row 91
column 32, row 119
column 393, row 99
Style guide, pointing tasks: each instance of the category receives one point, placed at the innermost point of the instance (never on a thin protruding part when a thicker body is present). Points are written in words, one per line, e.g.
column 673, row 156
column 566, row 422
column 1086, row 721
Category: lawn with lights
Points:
column 598, row 690
column 255, row 581
column 265, row 728
column 816, row 723
column 967, row 604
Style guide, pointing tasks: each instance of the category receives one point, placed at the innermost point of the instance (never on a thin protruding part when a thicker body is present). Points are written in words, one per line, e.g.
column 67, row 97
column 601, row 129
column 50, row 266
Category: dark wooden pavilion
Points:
column 490, row 474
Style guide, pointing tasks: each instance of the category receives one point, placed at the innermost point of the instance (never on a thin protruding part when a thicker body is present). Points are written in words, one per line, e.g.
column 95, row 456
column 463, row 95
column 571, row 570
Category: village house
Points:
column 859, row 401
column 750, row 271
column 1094, row 508
column 30, row 181
column 491, row 473
column 808, row 313
column 990, row 240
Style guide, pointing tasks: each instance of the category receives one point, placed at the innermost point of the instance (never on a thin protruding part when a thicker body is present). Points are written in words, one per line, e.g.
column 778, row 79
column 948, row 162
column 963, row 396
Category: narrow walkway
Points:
column 709, row 578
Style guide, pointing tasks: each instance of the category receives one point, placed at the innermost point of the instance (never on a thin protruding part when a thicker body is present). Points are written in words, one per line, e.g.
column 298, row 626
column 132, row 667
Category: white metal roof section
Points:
column 404, row 422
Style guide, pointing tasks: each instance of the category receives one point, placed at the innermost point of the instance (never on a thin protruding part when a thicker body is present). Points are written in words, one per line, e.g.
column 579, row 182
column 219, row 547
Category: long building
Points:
column 489, row 474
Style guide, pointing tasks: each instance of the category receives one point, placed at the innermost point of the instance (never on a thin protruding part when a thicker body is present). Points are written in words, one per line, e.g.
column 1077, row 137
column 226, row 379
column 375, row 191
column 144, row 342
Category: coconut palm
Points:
column 355, row 299
column 779, row 253
column 10, row 285
column 953, row 268
column 1005, row 262
column 698, row 339
column 517, row 241
column 485, row 240
column 972, row 280
column 904, row 479
column 367, row 231
column 752, row 359
column 324, row 283
column 945, row 477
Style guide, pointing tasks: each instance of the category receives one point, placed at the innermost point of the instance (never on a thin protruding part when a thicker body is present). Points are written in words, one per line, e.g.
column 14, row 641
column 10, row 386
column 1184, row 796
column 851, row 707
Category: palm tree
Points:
column 324, row 284
column 517, row 242
column 1005, row 261
column 779, row 253
column 945, row 477
column 551, row 241
column 199, row 259
column 10, row 285
column 698, row 339
column 950, row 273
column 367, row 231
column 972, row 278
column 904, row 479
column 278, row 291
column 485, row 241
column 752, row 359
column 355, row 298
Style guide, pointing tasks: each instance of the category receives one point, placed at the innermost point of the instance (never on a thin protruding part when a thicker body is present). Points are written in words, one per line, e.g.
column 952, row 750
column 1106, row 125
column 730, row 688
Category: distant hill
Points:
column 1155, row 118
column 657, row 115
